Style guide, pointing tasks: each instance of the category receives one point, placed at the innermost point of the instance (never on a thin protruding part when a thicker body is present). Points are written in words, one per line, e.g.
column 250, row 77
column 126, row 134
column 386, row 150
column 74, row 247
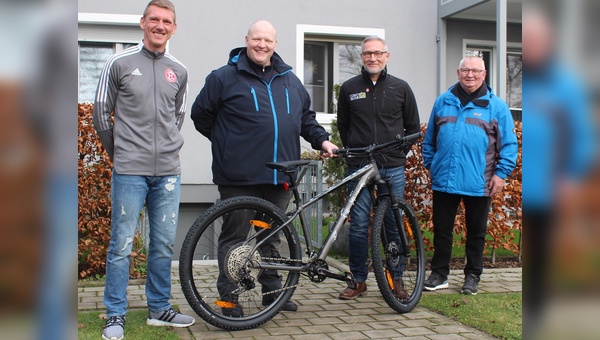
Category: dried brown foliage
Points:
column 505, row 214
column 94, row 202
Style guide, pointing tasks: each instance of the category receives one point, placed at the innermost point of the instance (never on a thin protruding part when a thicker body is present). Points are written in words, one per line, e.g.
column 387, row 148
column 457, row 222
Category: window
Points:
column 316, row 73
column 100, row 36
column 514, row 73
column 92, row 57
column 326, row 64
column 328, row 56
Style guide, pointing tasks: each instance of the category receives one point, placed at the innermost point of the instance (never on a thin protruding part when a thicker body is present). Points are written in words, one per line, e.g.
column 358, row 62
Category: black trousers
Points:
column 236, row 229
column 538, row 228
column 445, row 206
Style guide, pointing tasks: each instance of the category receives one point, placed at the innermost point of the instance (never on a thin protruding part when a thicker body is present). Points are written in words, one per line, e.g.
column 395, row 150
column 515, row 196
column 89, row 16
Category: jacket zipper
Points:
column 274, row 113
column 155, row 112
column 374, row 104
column 253, row 91
column 276, row 134
column 287, row 100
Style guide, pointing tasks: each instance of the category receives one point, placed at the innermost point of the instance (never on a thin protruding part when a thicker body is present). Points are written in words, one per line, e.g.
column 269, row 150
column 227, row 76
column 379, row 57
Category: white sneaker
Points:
column 169, row 317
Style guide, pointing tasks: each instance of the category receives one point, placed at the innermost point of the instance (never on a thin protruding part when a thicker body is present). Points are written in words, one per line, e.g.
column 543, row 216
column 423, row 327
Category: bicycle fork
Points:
column 399, row 220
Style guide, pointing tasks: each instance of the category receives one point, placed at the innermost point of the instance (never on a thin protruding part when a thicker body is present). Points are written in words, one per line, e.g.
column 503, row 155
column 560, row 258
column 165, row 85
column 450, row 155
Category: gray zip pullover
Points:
column 147, row 92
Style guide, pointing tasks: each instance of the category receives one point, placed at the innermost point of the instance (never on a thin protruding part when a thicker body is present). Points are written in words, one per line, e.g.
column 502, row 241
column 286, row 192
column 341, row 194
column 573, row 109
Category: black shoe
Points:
column 235, row 312
column 435, row 282
column 288, row 306
column 470, row 285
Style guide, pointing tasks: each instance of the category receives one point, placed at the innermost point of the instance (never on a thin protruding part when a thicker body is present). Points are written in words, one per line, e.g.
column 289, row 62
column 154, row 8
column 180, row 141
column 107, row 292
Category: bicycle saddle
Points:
column 287, row 166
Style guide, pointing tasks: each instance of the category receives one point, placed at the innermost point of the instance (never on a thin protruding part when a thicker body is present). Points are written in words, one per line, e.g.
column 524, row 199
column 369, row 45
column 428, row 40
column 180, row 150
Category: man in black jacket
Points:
column 374, row 107
column 254, row 108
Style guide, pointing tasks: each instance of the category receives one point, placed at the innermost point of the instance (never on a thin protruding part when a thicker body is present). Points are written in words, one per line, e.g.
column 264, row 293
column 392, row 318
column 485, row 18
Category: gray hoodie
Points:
column 147, row 92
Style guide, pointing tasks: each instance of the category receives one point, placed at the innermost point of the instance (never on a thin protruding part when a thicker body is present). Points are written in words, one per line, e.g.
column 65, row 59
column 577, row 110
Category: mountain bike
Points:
column 273, row 247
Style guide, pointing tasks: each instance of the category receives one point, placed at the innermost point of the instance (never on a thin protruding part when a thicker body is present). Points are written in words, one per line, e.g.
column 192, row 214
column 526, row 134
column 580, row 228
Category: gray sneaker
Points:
column 114, row 328
column 470, row 285
column 169, row 317
column 435, row 282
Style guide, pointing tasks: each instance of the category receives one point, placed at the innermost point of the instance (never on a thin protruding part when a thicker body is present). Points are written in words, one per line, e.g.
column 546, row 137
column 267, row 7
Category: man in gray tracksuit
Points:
column 144, row 89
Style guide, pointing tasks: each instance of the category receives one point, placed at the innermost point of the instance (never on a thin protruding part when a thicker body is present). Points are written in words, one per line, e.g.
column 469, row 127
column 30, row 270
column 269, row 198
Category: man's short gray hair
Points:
column 371, row 38
column 471, row 54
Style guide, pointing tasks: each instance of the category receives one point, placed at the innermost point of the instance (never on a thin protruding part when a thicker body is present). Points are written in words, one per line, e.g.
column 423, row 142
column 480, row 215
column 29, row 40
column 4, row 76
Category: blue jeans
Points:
column 360, row 217
column 162, row 196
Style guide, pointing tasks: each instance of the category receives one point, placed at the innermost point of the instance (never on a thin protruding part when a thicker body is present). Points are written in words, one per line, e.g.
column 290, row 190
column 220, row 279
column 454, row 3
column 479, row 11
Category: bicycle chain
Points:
column 278, row 259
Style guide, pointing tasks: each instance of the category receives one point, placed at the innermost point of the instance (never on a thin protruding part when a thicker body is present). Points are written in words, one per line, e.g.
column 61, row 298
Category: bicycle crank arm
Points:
column 327, row 273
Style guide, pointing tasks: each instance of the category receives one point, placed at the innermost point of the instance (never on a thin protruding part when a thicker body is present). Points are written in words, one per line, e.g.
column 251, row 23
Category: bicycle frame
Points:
column 367, row 174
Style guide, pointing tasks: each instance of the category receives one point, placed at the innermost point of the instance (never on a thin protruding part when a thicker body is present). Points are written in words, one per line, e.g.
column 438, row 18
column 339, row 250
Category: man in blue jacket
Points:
column 255, row 108
column 469, row 149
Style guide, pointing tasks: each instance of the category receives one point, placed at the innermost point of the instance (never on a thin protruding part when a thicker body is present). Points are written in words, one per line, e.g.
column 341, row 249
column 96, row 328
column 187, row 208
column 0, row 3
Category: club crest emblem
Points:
column 170, row 76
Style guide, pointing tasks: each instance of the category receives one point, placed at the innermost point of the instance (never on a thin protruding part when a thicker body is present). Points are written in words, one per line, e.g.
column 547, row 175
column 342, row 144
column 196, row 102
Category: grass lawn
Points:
column 90, row 327
column 497, row 314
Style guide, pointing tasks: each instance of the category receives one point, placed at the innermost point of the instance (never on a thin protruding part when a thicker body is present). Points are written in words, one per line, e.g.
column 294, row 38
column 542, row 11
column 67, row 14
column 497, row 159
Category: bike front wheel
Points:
column 400, row 273
column 226, row 286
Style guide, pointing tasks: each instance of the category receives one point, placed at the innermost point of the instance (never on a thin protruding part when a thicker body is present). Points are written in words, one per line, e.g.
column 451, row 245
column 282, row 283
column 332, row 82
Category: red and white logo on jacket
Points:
column 170, row 76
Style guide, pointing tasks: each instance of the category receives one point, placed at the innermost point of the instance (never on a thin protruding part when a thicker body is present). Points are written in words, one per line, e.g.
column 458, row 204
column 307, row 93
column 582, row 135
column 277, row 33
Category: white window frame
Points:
column 335, row 32
column 104, row 27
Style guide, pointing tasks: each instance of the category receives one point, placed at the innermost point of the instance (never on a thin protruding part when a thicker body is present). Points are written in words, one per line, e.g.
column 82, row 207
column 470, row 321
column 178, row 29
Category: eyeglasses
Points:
column 475, row 71
column 377, row 54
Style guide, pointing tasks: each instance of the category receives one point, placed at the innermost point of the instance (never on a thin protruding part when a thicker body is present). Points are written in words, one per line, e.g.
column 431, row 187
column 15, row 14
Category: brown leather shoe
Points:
column 353, row 291
column 399, row 291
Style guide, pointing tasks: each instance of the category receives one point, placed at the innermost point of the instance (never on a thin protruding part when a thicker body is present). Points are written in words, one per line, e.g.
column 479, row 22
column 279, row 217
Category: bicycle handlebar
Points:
column 399, row 141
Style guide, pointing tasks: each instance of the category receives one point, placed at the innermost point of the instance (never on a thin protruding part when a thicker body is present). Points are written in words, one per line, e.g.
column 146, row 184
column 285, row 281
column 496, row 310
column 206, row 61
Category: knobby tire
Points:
column 414, row 266
column 198, row 264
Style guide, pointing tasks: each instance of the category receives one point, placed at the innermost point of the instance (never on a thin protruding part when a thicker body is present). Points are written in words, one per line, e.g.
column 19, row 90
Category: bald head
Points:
column 260, row 42
column 262, row 25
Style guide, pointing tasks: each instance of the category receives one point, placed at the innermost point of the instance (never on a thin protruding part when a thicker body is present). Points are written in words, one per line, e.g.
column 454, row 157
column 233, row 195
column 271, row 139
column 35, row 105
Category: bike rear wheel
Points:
column 242, row 307
column 399, row 278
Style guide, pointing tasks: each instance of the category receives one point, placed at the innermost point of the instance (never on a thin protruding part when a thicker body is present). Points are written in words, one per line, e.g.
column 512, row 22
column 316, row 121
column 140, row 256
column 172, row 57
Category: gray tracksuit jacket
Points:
column 147, row 92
